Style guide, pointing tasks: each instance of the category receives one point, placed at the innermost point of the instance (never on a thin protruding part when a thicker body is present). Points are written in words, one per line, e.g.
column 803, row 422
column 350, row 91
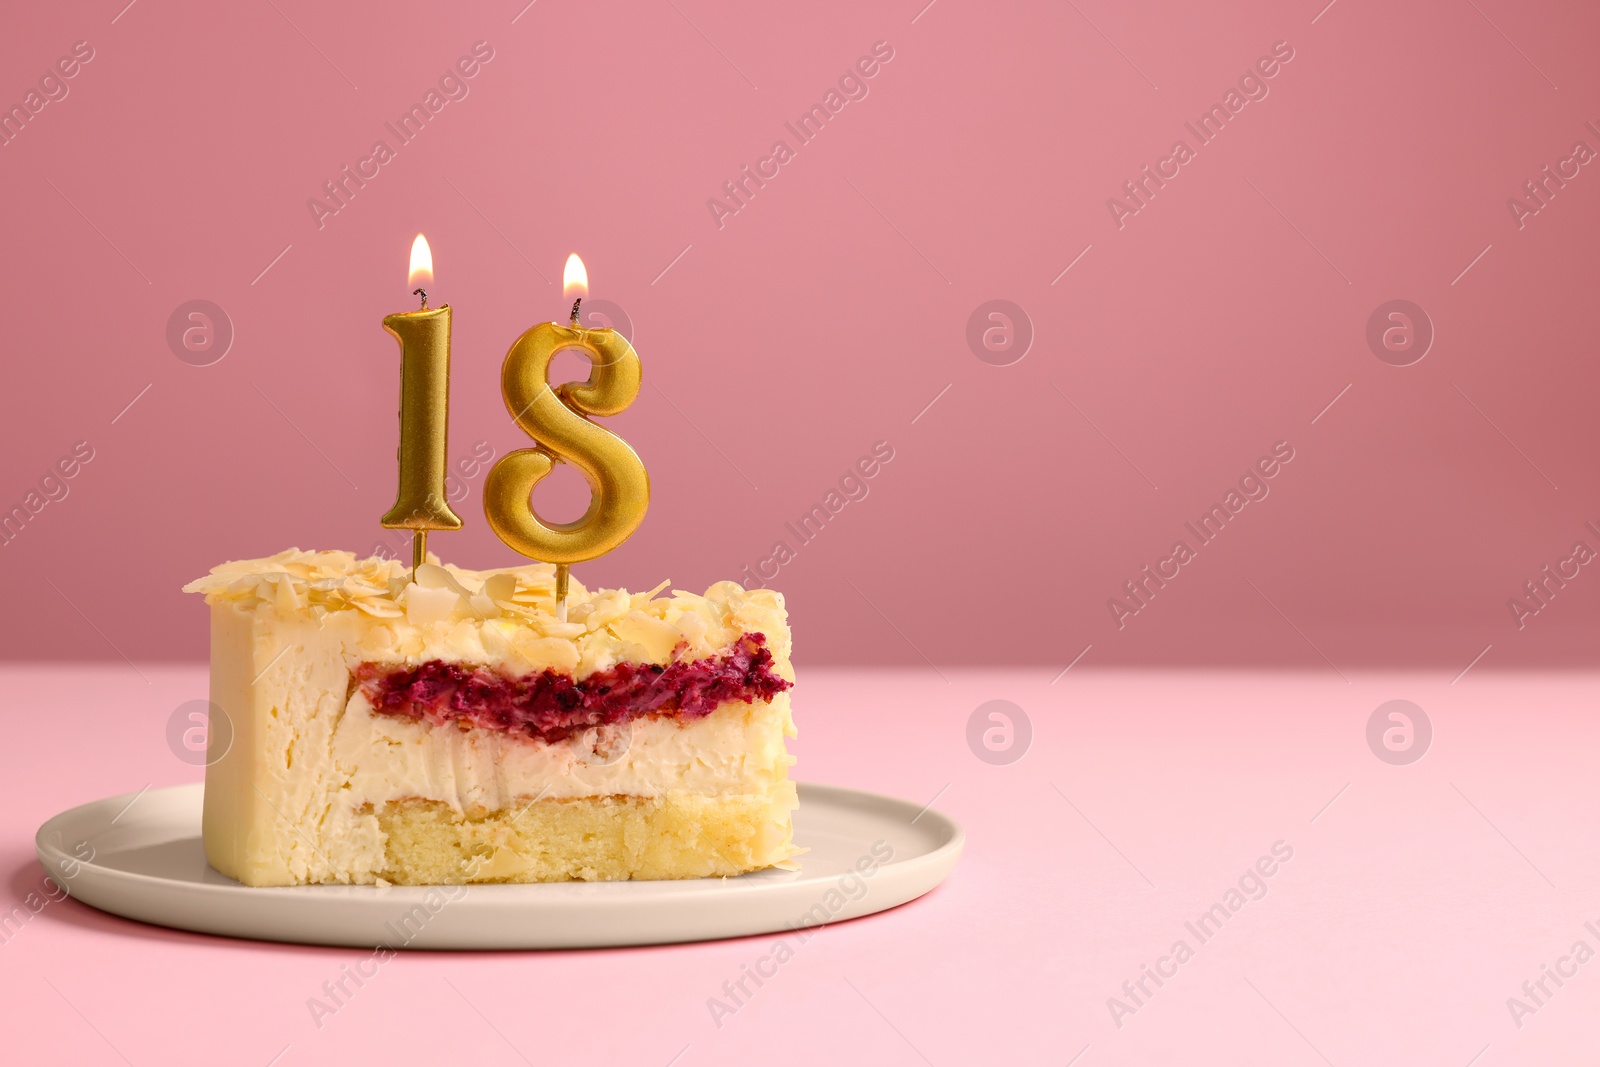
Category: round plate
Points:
column 140, row 856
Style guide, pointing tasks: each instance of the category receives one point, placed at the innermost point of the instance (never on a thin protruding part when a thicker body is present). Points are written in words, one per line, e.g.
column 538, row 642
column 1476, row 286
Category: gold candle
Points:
column 424, row 338
column 558, row 421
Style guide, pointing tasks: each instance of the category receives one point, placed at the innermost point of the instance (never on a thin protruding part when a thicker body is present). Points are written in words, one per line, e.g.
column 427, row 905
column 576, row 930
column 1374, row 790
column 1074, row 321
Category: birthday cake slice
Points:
column 453, row 730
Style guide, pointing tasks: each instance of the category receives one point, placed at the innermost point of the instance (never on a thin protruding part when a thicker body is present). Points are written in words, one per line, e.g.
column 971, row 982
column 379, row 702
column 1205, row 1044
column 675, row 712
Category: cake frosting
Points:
column 453, row 729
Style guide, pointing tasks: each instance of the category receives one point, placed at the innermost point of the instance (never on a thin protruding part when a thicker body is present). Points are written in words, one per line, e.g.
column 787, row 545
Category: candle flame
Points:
column 574, row 279
column 421, row 264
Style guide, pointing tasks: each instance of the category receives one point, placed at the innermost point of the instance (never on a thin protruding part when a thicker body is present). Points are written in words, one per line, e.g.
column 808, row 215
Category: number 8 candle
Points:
column 424, row 337
column 558, row 421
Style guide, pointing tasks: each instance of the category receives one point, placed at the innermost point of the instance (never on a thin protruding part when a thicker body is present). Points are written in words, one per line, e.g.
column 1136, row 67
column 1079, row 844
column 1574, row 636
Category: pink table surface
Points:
column 1418, row 900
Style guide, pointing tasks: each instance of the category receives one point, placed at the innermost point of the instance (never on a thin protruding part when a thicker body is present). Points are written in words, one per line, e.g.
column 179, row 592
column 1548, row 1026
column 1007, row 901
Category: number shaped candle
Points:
column 424, row 338
column 558, row 421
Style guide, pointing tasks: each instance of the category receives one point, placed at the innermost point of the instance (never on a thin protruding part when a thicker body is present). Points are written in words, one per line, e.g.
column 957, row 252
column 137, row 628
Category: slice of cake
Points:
column 452, row 730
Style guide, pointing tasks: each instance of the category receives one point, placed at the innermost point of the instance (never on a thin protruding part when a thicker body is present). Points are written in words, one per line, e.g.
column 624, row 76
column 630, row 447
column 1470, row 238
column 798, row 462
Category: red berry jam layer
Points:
column 552, row 707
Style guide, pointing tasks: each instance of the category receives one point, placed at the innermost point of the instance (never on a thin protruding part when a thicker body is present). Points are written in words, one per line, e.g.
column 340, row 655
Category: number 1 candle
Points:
column 424, row 337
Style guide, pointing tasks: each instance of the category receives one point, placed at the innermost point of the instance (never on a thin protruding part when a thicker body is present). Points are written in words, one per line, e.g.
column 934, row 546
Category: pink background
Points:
column 829, row 312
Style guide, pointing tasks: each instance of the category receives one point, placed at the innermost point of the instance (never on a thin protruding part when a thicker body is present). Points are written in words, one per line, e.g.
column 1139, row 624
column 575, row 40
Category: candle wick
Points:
column 575, row 304
column 424, row 294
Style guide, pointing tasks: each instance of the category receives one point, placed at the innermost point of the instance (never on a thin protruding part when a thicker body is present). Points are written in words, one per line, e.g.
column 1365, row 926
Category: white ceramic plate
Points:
column 867, row 853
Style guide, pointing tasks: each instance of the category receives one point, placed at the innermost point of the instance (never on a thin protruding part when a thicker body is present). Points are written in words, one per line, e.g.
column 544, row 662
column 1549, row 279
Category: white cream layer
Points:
column 736, row 749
